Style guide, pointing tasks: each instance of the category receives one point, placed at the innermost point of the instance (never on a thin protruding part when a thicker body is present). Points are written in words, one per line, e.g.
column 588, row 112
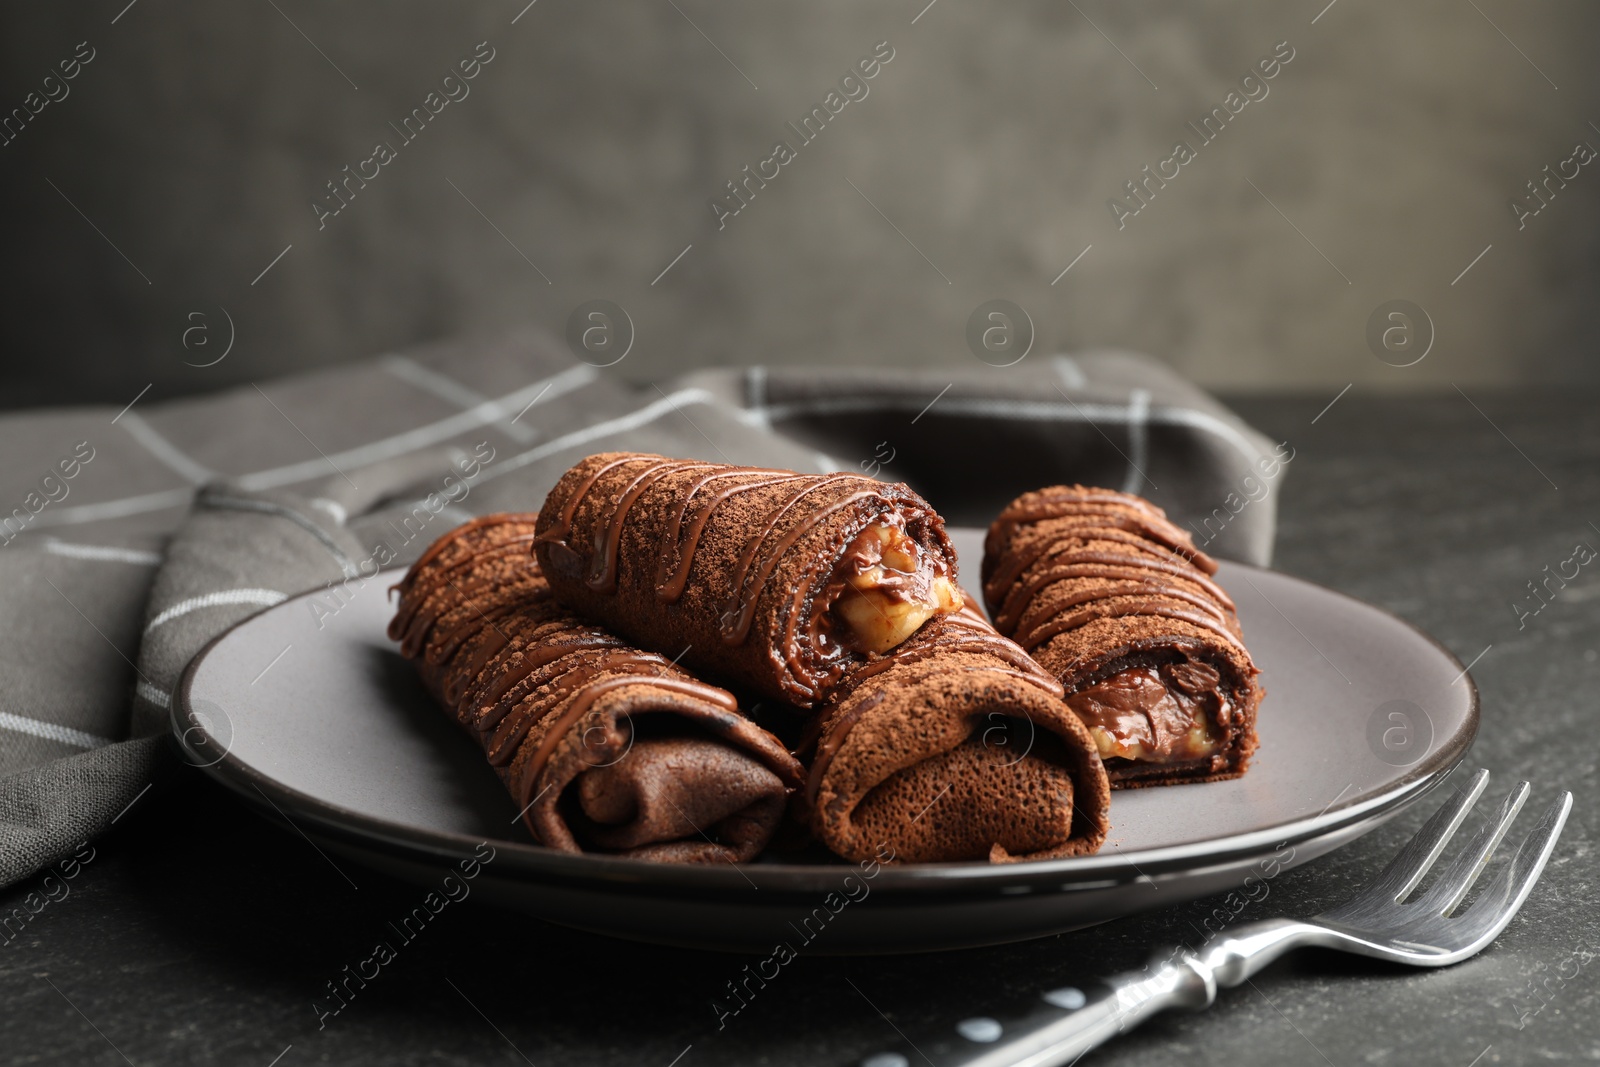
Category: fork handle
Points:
column 1065, row 1023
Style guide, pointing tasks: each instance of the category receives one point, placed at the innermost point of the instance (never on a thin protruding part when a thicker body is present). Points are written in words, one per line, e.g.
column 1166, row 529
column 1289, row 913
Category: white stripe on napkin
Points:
column 50, row 731
column 103, row 553
column 159, row 697
column 263, row 597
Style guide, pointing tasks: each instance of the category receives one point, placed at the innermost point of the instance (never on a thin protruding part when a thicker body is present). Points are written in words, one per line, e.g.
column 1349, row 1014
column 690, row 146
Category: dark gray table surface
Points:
column 199, row 933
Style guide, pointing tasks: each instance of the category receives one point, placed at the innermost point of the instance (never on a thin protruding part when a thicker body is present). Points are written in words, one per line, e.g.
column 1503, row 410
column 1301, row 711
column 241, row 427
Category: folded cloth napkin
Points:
column 129, row 539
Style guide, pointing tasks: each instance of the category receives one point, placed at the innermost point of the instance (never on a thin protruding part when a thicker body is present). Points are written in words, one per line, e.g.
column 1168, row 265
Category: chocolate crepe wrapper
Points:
column 955, row 746
column 572, row 717
column 729, row 566
column 1091, row 582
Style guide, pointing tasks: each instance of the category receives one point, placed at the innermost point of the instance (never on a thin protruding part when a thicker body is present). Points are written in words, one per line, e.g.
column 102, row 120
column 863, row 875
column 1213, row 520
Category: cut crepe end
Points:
column 953, row 763
column 1104, row 647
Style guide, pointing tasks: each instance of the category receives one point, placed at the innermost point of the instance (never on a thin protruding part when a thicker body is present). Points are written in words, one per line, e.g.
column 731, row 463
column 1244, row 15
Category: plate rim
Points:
column 944, row 880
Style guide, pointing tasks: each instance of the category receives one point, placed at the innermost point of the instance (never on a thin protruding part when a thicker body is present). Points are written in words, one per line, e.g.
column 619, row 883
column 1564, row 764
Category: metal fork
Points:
column 1378, row 921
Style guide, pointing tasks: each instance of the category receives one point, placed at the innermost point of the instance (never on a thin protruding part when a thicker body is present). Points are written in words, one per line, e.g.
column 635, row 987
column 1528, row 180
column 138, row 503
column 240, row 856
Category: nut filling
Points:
column 886, row 587
column 1162, row 714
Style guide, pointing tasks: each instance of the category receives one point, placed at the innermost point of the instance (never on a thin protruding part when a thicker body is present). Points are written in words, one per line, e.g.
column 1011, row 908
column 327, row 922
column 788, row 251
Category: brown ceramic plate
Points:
column 1364, row 714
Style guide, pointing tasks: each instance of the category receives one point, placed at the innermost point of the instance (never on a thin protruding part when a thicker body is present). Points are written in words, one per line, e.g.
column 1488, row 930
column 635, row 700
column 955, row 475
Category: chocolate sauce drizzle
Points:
column 1160, row 574
column 769, row 538
column 1061, row 501
column 507, row 668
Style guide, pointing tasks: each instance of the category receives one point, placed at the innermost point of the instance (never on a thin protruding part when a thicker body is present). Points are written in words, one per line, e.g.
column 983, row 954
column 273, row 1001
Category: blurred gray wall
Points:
column 188, row 152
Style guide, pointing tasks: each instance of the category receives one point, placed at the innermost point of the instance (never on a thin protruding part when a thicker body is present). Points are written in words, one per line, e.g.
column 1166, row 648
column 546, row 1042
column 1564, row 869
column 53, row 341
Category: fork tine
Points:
column 1413, row 861
column 1442, row 897
column 1496, row 906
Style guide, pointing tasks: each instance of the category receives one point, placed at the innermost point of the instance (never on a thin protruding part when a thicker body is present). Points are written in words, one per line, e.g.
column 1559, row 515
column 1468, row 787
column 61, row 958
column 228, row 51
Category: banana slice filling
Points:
column 889, row 588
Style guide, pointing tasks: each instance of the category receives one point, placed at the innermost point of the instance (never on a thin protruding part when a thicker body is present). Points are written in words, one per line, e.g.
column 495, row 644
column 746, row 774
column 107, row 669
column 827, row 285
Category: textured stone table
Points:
column 201, row 934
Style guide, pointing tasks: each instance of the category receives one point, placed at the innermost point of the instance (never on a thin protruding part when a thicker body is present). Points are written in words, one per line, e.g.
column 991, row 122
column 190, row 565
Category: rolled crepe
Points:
column 604, row 747
column 1117, row 603
column 778, row 582
column 955, row 746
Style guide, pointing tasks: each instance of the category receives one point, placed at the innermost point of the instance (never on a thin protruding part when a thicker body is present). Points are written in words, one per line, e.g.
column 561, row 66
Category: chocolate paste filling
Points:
column 1158, row 713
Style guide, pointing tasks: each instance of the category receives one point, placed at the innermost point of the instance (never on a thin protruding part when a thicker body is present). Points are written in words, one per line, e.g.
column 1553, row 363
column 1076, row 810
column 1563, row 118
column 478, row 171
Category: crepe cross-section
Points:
column 604, row 747
column 1118, row 605
column 775, row 581
column 954, row 746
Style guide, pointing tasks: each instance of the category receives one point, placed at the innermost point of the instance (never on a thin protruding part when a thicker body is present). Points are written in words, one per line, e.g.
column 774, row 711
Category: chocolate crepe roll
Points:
column 776, row 581
column 955, row 746
column 604, row 747
column 1117, row 603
